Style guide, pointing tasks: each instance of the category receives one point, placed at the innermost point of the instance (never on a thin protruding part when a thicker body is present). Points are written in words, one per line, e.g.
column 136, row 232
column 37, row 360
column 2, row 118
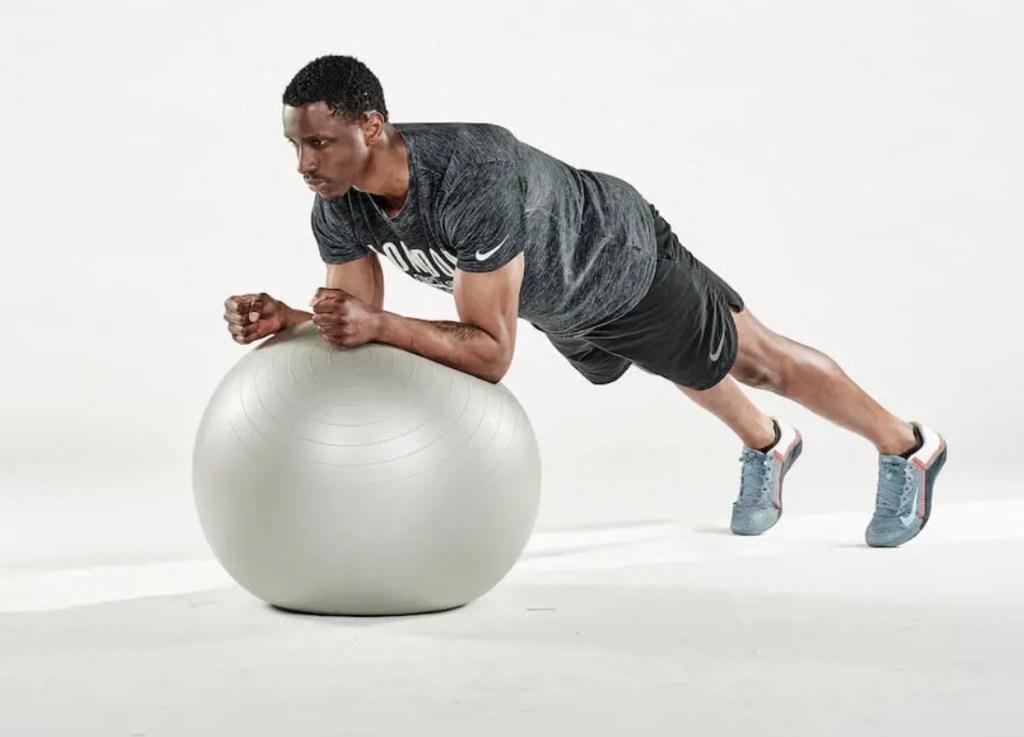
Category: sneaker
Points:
column 759, row 505
column 904, row 500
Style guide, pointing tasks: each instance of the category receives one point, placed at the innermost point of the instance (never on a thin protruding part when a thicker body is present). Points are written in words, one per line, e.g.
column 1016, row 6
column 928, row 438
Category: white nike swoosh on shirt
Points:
column 484, row 256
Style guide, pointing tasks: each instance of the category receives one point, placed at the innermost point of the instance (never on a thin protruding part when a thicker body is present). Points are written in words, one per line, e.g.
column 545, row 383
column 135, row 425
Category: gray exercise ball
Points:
column 364, row 481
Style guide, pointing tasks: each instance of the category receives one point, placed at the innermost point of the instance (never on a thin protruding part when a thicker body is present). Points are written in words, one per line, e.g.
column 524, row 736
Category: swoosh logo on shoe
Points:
column 908, row 518
column 487, row 254
column 718, row 351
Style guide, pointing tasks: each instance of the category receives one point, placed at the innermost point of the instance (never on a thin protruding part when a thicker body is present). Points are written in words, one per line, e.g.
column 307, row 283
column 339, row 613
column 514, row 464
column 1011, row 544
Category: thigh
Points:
column 758, row 350
column 682, row 330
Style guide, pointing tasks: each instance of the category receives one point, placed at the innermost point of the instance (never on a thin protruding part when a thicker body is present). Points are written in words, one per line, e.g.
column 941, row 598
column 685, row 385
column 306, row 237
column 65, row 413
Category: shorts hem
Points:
column 720, row 375
column 605, row 380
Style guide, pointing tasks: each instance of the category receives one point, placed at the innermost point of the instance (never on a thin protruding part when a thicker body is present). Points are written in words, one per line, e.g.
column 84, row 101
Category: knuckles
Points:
column 336, row 318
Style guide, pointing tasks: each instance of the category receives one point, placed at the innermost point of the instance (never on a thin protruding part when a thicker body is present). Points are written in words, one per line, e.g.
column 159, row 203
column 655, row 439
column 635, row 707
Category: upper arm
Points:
column 350, row 266
column 362, row 278
column 490, row 301
column 484, row 218
column 483, row 215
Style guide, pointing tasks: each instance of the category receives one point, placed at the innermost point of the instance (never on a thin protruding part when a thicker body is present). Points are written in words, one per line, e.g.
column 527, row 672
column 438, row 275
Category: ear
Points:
column 372, row 127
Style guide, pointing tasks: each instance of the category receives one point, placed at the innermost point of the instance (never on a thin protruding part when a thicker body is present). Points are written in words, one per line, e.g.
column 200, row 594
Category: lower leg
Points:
column 726, row 401
column 818, row 383
column 807, row 376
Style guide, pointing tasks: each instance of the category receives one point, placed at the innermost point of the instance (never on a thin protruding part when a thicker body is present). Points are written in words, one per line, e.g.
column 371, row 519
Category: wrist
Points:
column 384, row 327
column 290, row 317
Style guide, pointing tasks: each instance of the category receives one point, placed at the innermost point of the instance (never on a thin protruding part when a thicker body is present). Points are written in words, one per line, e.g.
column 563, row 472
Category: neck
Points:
column 387, row 174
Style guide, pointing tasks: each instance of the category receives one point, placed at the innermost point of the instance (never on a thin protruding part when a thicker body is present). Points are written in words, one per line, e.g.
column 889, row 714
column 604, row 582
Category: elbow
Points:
column 495, row 369
column 494, row 373
column 493, row 376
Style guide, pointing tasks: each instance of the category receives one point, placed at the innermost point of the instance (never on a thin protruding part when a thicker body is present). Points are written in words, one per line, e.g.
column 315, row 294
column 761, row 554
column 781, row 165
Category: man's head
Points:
column 334, row 114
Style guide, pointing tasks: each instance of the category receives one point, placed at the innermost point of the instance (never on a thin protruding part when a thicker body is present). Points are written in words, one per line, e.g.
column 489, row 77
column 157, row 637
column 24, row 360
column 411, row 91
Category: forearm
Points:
column 456, row 344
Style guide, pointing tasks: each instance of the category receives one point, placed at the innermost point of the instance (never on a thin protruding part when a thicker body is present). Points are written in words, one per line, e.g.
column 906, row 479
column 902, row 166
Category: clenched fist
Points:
column 344, row 320
column 253, row 316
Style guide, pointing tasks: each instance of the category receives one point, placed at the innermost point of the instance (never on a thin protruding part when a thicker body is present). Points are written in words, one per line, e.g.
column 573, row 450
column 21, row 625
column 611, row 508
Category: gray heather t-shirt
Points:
column 477, row 198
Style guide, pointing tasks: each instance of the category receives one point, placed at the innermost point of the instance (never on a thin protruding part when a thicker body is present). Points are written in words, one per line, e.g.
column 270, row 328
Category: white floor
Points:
column 650, row 628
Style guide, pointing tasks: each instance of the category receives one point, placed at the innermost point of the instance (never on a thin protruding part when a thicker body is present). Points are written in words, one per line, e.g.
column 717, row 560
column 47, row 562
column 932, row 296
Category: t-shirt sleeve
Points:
column 334, row 234
column 484, row 216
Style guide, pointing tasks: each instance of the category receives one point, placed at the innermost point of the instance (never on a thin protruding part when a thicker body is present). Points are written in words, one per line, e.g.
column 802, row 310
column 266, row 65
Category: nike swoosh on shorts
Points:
column 718, row 351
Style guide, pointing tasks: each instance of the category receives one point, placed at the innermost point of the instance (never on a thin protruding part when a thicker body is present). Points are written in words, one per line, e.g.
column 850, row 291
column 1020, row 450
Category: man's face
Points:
column 332, row 152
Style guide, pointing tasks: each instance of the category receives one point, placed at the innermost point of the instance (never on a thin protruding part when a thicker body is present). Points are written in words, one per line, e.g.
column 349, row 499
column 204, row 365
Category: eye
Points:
column 319, row 143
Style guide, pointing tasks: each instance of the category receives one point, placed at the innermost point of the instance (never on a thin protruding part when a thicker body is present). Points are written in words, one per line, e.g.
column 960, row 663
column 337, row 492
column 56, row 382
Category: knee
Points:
column 784, row 372
column 770, row 371
column 758, row 376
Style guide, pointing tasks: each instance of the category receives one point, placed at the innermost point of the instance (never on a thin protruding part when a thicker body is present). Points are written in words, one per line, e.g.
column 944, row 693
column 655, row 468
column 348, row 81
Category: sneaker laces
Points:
column 757, row 476
column 895, row 486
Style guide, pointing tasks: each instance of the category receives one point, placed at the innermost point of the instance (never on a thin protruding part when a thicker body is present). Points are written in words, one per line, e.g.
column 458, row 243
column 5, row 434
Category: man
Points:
column 513, row 232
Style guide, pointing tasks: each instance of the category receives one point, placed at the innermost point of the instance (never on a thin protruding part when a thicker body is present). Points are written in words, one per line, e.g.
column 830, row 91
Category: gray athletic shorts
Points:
column 681, row 330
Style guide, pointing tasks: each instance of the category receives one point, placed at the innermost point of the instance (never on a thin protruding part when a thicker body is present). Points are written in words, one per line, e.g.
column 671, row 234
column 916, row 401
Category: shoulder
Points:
column 457, row 146
column 485, row 143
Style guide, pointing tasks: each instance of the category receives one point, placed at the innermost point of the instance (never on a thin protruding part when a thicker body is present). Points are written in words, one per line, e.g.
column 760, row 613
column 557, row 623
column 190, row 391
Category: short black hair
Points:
column 343, row 83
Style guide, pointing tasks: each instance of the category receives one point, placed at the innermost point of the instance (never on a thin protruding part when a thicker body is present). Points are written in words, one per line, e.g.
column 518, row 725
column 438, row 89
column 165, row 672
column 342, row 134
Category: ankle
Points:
column 764, row 436
column 903, row 440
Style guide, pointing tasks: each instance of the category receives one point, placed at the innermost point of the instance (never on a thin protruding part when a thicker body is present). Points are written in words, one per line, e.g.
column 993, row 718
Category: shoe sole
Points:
column 786, row 465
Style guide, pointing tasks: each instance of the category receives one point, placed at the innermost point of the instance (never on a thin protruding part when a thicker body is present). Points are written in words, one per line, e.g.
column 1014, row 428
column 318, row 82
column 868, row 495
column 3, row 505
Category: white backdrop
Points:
column 852, row 168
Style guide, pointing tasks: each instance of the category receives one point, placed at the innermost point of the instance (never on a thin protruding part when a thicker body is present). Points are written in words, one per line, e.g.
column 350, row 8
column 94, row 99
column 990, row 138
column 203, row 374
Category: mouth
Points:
column 317, row 185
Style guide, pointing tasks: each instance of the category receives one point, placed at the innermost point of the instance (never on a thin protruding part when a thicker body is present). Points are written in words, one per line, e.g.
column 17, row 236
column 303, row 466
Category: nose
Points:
column 307, row 162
